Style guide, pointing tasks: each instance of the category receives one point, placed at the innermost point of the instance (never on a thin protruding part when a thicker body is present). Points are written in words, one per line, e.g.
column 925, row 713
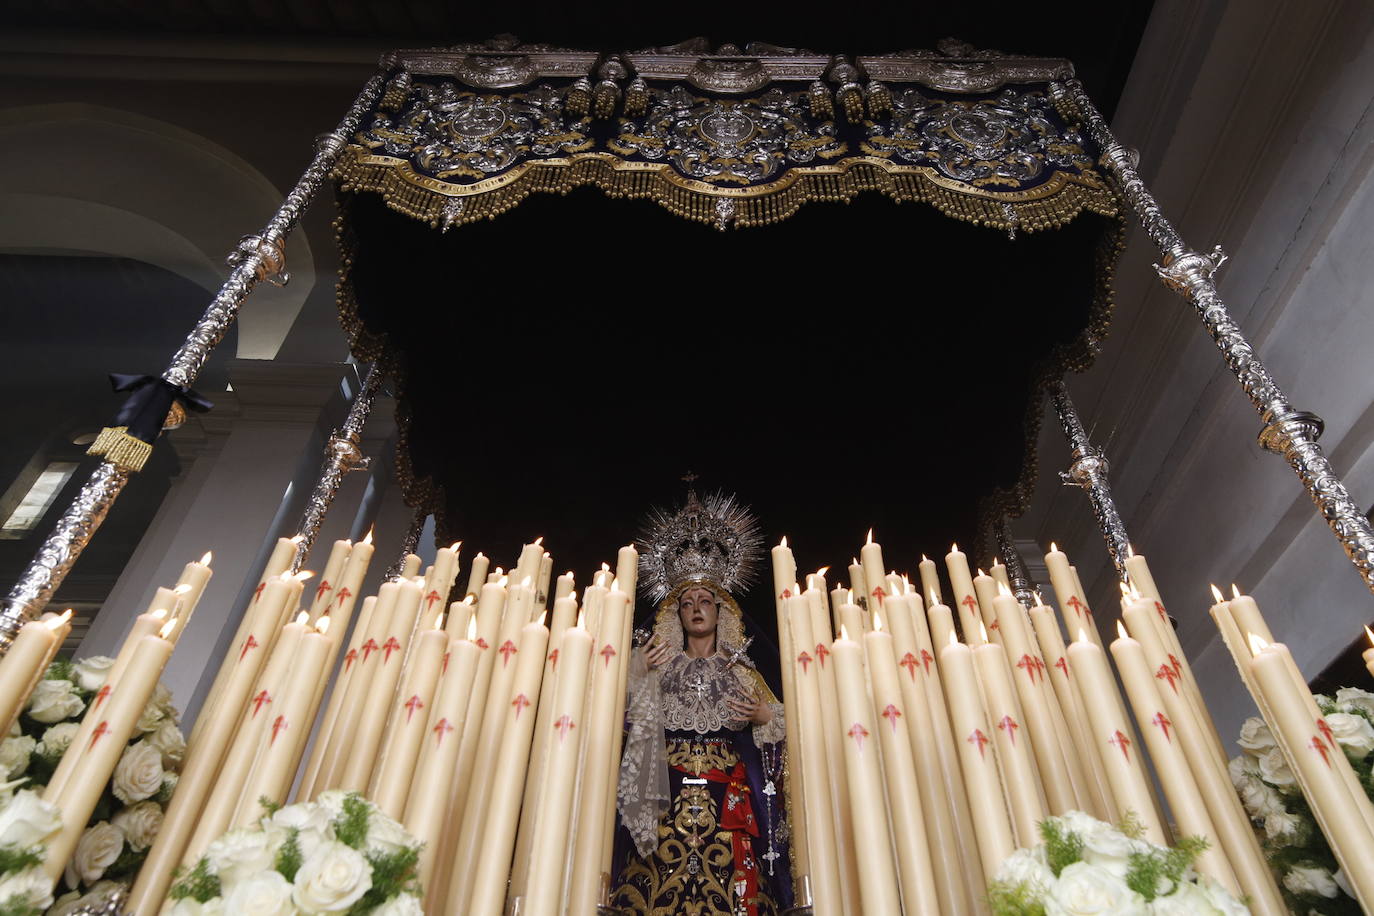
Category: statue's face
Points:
column 698, row 612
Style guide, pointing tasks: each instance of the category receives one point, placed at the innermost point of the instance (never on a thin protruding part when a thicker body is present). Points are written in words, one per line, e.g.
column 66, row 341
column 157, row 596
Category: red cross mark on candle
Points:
column 443, row 666
column 104, row 692
column 1122, row 742
column 507, row 650
column 1320, row 747
column 368, row 648
column 350, row 658
column 608, row 653
column 972, row 604
column 821, row 653
column 995, row 625
column 910, row 663
column 391, row 645
column 879, row 594
column 1039, row 665
column 257, row 592
column 100, row 731
column 1178, row 665
column 248, row 644
column 343, row 595
column 259, row 701
column 520, row 702
column 1326, row 731
column 441, row 728
column 1163, row 614
column 805, row 661
column 786, row 593
column 323, row 588
column 482, row 644
column 926, row 659
column 892, row 714
column 432, row 597
column 1162, row 722
column 1063, row 665
column 278, row 726
column 1027, row 664
column 553, row 659
column 978, row 740
column 1078, row 606
column 858, row 733
column 413, row 704
column 1165, row 673
column 564, row 725
column 1009, row 725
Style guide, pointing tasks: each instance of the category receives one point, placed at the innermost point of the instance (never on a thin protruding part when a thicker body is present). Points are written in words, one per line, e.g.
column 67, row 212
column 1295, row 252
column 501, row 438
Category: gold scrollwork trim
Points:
column 1046, row 206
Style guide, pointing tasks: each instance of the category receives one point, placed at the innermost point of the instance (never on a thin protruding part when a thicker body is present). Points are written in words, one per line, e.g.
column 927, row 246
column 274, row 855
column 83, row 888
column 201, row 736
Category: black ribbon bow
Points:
column 150, row 399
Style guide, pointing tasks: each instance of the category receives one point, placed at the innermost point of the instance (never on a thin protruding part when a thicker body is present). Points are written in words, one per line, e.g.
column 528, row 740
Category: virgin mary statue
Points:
column 701, row 791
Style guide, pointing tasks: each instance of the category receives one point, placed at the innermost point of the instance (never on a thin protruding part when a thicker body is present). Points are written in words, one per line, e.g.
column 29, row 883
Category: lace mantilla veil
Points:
column 713, row 543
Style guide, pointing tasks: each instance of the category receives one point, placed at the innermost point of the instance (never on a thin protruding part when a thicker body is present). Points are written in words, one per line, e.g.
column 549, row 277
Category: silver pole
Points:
column 1287, row 431
column 408, row 543
column 1089, row 471
column 1021, row 585
column 257, row 257
column 342, row 454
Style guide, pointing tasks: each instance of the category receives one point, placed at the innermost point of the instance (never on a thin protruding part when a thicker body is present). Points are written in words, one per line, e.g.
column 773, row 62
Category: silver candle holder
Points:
column 1089, row 470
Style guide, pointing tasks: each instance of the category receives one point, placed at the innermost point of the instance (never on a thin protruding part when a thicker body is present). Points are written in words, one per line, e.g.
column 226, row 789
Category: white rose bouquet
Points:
column 337, row 854
column 26, row 824
column 129, row 813
column 1297, row 851
column 1085, row 866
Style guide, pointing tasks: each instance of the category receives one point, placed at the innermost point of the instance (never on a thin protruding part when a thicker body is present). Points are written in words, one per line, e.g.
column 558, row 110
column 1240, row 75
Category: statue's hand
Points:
column 750, row 708
column 656, row 653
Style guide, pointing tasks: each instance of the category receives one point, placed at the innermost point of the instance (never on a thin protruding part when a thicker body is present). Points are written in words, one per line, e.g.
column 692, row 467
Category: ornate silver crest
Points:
column 715, row 539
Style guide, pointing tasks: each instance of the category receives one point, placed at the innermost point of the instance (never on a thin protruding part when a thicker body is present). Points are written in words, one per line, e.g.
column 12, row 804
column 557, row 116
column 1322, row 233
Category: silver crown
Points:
column 712, row 540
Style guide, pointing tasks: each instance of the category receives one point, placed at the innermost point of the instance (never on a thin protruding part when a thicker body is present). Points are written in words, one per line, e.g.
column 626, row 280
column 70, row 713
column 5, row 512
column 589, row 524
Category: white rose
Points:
column 57, row 739
column 1109, row 848
column 1353, row 733
column 1242, row 768
column 1255, row 736
column 1274, row 769
column 385, row 836
column 1351, row 699
column 332, row 879
column 1284, row 829
column 1221, row 899
column 91, row 673
column 140, row 824
column 1261, row 800
column 400, row 905
column 138, row 775
column 239, row 855
column 149, row 719
column 1027, row 866
column 264, row 894
column 162, row 696
column 170, row 743
column 313, row 823
column 54, row 700
column 1187, row 900
column 96, row 851
column 31, row 886
column 28, row 820
column 14, row 756
column 1086, row 890
column 1315, row 881
column 187, row 906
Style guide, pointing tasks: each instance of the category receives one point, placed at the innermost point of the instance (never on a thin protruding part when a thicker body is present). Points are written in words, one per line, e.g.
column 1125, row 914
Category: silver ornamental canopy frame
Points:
column 955, row 68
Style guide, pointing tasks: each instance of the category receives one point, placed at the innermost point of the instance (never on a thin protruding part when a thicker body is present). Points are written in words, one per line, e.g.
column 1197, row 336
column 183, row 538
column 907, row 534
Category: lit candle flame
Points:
column 1130, row 550
column 303, row 575
column 322, row 625
column 296, row 539
column 367, row 539
column 844, row 632
column 1121, row 630
column 953, row 640
column 1082, row 636
column 953, row 547
column 547, row 555
column 573, row 594
column 54, row 622
column 877, row 621
column 783, row 543
column 1217, row 597
column 615, row 585
column 820, row 573
column 160, row 613
column 1002, row 590
column 167, row 628
column 455, row 546
column 1235, row 590
column 605, row 567
column 930, row 598
column 581, row 618
column 984, row 630
column 205, row 560
column 539, row 541
column 438, row 621
column 1369, row 633
column 1053, row 548
column 472, row 629
column 543, row 618
column 303, row 617
column 182, row 588
column 502, row 580
column 1257, row 644
column 925, row 559
column 870, row 537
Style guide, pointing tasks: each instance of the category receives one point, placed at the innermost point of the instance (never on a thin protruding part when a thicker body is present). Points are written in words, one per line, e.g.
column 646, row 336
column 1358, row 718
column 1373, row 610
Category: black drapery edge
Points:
column 423, row 492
